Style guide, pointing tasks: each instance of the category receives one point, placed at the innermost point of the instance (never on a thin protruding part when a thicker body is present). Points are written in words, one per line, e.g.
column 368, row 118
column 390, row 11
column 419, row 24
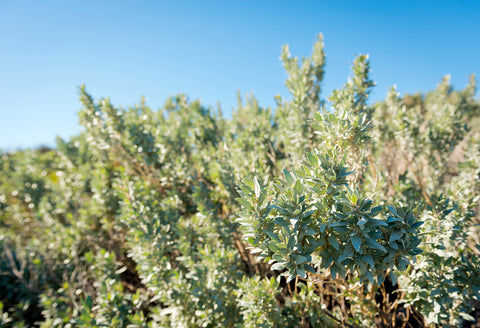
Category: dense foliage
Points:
column 318, row 213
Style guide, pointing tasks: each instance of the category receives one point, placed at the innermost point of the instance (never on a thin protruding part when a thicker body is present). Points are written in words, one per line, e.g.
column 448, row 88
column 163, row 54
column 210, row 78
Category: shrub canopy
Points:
column 317, row 213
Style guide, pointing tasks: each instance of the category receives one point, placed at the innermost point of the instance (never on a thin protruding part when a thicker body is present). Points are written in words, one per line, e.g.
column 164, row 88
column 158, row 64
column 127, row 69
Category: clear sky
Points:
column 210, row 49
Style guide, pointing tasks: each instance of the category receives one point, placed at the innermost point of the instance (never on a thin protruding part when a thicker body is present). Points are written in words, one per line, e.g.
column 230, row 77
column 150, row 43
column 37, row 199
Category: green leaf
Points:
column 274, row 236
column 393, row 219
column 247, row 190
column 392, row 209
column 87, row 303
column 307, row 214
column 309, row 268
column 301, row 272
column 288, row 177
column 396, row 234
column 326, row 261
column 278, row 257
column 337, row 224
column 378, row 223
column 278, row 266
column 417, row 224
column 257, row 187
column 372, row 243
column 291, row 243
column 290, row 278
column 344, row 173
column 280, row 221
column 369, row 276
column 393, row 276
column 312, row 159
column 362, row 221
column 466, row 316
column 375, row 210
column 333, row 241
column 333, row 271
column 415, row 251
column 245, row 203
column 367, row 258
column 356, row 242
column 298, row 187
column 322, row 227
column 299, row 259
column 380, row 278
column 347, row 252
column 402, row 264
column 341, row 229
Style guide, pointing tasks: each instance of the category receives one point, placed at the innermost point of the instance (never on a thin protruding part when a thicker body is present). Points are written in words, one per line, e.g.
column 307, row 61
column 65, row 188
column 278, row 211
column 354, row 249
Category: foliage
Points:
column 316, row 213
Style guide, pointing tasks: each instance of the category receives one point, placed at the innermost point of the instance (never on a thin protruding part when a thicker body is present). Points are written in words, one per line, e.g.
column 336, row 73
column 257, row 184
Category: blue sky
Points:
column 210, row 49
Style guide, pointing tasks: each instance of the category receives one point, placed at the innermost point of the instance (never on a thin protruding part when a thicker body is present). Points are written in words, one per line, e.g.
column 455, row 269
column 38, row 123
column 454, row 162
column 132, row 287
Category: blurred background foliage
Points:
column 365, row 214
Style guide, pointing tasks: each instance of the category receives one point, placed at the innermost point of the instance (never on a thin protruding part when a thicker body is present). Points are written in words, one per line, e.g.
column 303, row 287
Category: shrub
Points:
column 318, row 213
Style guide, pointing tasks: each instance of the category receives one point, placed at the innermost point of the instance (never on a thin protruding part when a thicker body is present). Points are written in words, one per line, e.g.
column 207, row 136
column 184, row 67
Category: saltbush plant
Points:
column 316, row 213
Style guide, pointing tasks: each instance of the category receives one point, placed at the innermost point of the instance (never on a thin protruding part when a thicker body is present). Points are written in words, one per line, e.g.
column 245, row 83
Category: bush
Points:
column 316, row 214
